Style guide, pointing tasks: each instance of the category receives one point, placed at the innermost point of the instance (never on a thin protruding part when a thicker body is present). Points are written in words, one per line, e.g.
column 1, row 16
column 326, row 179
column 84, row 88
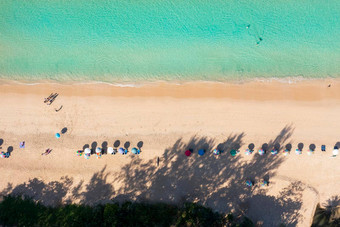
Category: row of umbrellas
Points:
column 215, row 151
column 111, row 150
column 233, row 152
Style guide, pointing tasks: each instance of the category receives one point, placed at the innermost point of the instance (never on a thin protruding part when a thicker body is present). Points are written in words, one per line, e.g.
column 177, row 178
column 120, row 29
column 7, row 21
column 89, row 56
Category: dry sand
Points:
column 169, row 119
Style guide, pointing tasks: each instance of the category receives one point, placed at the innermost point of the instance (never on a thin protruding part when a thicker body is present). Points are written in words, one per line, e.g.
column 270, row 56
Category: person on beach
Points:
column 48, row 151
column 48, row 98
column 57, row 110
column 52, row 98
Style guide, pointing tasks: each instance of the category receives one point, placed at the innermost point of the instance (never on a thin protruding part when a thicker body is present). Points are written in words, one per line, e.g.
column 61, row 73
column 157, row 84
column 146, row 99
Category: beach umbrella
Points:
column 87, row 151
column 187, row 152
column 201, row 152
column 57, row 135
column 249, row 183
column 98, row 150
column 110, row 150
column 233, row 152
column 274, row 152
column 121, row 150
column 216, row 152
column 135, row 150
column 298, row 151
column 87, row 156
column 261, row 152
column 286, row 152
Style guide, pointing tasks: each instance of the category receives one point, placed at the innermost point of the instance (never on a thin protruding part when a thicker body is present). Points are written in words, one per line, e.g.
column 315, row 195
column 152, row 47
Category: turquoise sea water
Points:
column 137, row 40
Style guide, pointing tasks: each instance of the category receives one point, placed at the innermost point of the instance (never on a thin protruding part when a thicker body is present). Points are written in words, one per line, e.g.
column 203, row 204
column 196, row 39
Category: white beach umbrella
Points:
column 87, row 151
column 98, row 150
column 110, row 150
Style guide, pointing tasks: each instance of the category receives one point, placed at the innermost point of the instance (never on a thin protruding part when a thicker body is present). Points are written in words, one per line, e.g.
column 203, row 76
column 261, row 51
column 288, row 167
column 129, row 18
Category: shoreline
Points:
column 305, row 90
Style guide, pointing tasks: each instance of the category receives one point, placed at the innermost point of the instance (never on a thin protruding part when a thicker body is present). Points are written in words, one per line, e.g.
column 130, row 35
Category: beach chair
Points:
column 263, row 183
column 323, row 147
column 249, row 183
column 310, row 152
column 286, row 152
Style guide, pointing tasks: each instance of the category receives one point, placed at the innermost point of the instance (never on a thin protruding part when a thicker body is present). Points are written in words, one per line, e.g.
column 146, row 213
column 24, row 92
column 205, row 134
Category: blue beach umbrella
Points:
column 216, row 152
column 57, row 135
column 201, row 152
column 121, row 150
column 135, row 150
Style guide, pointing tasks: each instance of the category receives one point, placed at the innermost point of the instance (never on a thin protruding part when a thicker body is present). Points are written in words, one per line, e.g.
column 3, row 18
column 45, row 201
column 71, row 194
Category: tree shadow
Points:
column 50, row 193
column 98, row 190
column 214, row 181
column 334, row 201
column 276, row 210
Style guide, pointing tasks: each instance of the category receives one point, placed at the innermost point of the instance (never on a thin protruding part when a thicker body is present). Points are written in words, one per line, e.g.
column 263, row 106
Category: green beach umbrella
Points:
column 233, row 152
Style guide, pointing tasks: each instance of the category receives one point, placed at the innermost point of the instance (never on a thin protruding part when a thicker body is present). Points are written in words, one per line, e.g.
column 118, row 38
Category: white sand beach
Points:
column 168, row 119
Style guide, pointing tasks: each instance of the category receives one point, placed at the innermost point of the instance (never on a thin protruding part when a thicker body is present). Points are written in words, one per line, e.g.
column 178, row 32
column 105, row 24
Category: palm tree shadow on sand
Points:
column 97, row 190
column 214, row 181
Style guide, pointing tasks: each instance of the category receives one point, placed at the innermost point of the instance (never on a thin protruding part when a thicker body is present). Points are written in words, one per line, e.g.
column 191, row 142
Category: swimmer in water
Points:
column 248, row 26
column 260, row 40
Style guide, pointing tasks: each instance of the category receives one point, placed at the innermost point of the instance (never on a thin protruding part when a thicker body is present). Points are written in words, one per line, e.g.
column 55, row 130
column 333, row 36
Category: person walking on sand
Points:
column 48, row 151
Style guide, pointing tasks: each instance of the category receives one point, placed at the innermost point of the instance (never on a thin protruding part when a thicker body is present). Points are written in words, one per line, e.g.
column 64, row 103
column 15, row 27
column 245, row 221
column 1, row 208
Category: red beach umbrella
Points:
column 187, row 153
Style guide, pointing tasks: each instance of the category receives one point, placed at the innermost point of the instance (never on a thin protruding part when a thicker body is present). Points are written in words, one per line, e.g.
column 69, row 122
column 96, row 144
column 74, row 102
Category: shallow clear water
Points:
column 168, row 40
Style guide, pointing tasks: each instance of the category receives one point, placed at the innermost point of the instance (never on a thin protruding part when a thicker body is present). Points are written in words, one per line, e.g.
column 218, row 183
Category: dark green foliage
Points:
column 193, row 214
column 15, row 211
column 246, row 223
column 20, row 212
column 326, row 217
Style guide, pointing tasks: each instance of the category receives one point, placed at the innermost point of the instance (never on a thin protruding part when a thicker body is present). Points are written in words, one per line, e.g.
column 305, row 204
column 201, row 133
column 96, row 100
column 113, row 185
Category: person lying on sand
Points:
column 52, row 98
column 47, row 151
column 49, row 97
